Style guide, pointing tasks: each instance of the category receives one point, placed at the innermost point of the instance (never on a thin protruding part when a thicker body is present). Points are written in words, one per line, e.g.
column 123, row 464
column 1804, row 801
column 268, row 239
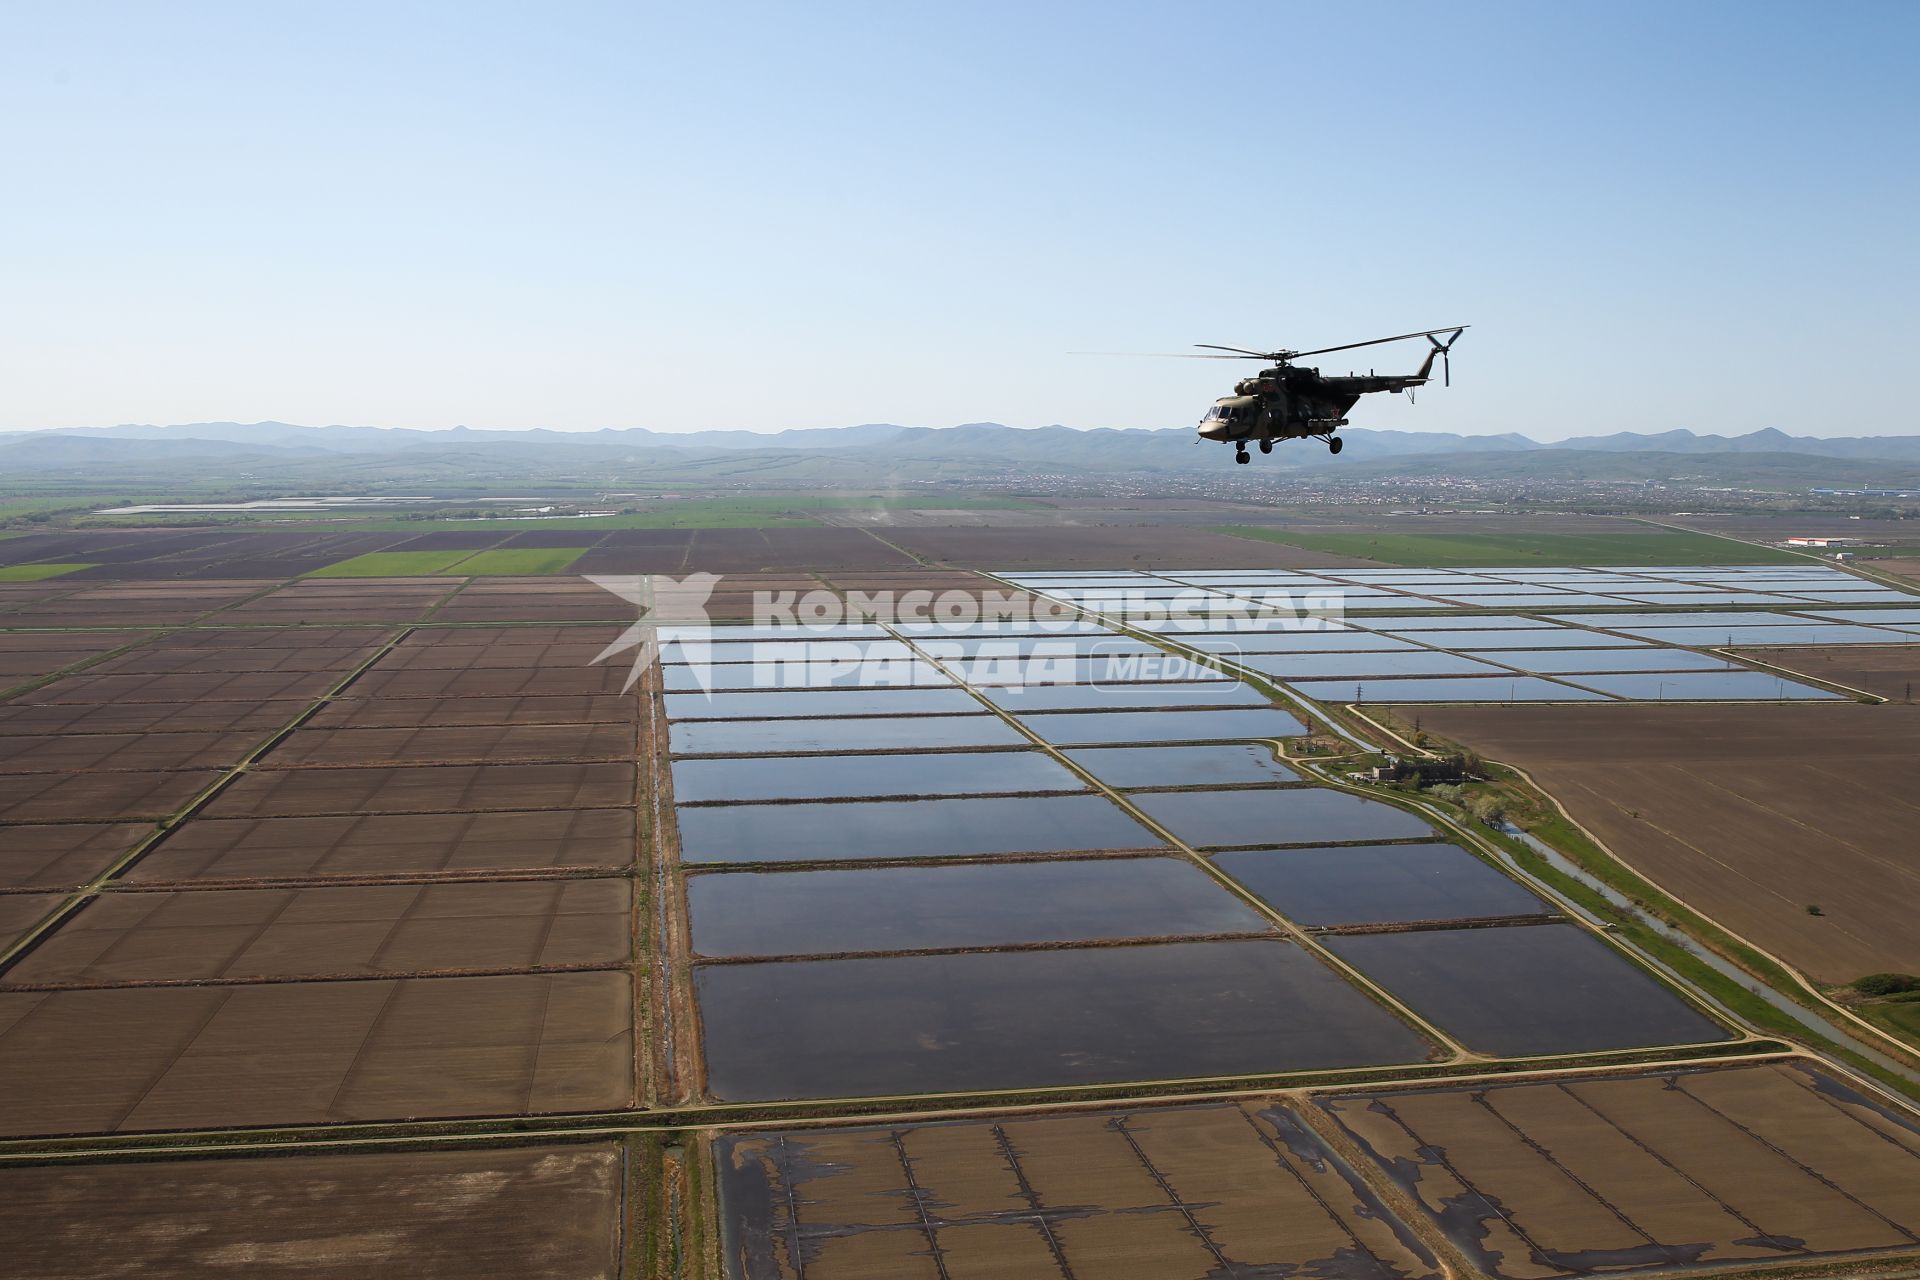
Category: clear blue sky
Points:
column 779, row 215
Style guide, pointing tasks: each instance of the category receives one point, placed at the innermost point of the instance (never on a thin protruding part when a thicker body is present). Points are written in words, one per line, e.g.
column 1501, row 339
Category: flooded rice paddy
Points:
column 906, row 829
column 1378, row 884
column 1502, row 688
column 1292, row 815
column 1684, row 686
column 807, row 703
column 852, row 674
column 1527, row 990
column 854, row 733
column 927, row 1024
column 1559, row 638
column 1129, row 767
column 1413, row 662
column 1068, row 729
column 841, row 911
column 928, row 773
column 1293, row 642
column 1572, row 661
column 1117, row 697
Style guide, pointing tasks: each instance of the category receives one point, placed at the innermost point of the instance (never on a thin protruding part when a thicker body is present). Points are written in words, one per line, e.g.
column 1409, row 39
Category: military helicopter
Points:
column 1287, row 402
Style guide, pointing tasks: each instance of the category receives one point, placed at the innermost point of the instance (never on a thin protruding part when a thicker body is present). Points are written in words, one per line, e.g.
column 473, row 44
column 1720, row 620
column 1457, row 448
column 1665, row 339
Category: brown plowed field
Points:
column 345, row 600
column 1902, row 567
column 1733, row 1165
column 360, row 931
column 19, row 912
column 323, row 611
column 63, row 856
column 32, row 655
column 437, row 637
column 1892, row 673
column 420, row 653
column 1106, row 547
column 98, row 797
column 273, row 638
column 70, row 611
column 435, row 745
column 20, row 716
column 493, row 682
column 79, row 642
column 146, row 660
column 453, row 788
column 79, row 752
column 1748, row 813
column 383, row 845
column 252, row 686
column 530, row 1213
column 128, row 1059
column 1148, row 1194
column 401, row 713
column 599, row 607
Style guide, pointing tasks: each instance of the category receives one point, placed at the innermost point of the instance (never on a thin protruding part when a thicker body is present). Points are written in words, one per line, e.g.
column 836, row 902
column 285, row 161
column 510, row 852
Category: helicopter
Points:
column 1287, row 402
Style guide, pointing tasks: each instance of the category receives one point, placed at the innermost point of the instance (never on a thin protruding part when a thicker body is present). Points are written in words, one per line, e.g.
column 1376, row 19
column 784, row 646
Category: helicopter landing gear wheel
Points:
column 1240, row 454
column 1266, row 446
column 1335, row 444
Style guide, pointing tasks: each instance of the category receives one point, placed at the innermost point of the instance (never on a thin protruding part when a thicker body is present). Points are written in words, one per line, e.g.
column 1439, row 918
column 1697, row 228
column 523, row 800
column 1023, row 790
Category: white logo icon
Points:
column 671, row 611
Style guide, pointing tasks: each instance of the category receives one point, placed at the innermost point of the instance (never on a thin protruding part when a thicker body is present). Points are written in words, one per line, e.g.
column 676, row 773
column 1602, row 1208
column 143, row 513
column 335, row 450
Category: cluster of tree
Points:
column 1886, row 984
column 1434, row 770
column 1481, row 804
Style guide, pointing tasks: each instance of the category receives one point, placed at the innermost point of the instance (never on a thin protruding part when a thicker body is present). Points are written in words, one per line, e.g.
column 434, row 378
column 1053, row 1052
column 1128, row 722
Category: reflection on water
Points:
column 1222, row 765
column 1414, row 662
column 1293, row 815
column 1688, row 685
column 1526, row 990
column 772, row 704
column 1501, row 688
column 763, row 913
column 919, row 1024
column 906, row 829
column 872, row 733
column 1072, row 730
column 818, row 777
column 1115, row 697
column 1378, row 884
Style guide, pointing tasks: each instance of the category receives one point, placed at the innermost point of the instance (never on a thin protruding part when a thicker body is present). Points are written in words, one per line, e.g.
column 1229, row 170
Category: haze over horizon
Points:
column 762, row 217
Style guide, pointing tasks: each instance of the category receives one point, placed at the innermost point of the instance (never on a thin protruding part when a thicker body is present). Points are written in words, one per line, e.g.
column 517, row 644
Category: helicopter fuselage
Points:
column 1286, row 402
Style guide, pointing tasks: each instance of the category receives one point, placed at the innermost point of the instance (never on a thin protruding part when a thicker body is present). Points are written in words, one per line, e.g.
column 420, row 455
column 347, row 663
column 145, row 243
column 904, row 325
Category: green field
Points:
column 392, row 564
column 1484, row 550
column 515, row 562
column 36, row 572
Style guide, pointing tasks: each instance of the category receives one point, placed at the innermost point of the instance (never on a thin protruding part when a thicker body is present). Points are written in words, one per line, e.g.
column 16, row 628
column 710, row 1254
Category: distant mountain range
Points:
column 877, row 453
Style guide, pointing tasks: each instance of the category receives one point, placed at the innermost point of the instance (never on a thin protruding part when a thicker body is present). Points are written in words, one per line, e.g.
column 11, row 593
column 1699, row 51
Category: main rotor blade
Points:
column 1246, row 354
column 1163, row 355
column 1374, row 342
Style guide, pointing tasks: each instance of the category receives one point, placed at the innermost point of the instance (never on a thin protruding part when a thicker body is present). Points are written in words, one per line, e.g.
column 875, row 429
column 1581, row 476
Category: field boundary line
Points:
column 519, row 1130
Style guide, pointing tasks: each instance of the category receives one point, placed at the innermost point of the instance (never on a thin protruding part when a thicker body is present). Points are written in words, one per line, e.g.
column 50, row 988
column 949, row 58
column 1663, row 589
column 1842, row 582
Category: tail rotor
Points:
column 1443, row 350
